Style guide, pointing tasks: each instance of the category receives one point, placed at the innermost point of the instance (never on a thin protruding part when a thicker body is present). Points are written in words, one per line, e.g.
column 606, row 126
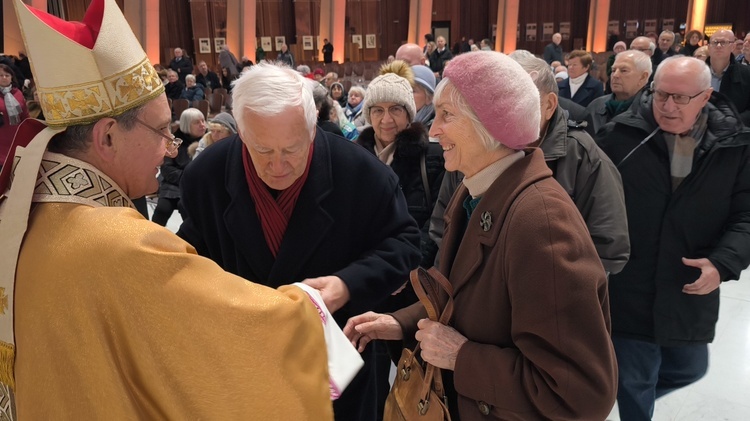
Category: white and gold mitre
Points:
column 86, row 70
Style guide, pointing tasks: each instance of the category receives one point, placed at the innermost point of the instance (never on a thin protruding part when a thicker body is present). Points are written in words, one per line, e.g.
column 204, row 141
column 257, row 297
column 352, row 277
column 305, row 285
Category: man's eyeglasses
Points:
column 721, row 43
column 678, row 99
column 172, row 142
column 395, row 111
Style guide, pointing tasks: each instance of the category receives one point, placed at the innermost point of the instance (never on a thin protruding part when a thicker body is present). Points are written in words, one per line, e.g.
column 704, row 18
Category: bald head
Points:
column 410, row 53
column 642, row 44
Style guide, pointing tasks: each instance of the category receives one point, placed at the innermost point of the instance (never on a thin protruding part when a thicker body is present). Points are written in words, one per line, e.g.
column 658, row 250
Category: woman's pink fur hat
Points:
column 500, row 93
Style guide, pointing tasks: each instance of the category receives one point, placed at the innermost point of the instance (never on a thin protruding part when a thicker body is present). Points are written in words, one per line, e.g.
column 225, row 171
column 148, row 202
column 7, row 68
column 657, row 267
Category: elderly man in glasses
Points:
column 104, row 314
column 727, row 76
column 684, row 158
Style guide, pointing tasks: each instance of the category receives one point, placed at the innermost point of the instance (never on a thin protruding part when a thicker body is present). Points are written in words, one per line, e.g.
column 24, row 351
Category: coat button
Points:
column 484, row 408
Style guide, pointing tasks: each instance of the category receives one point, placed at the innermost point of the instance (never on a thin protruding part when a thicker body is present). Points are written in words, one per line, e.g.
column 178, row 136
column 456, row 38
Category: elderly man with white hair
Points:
column 684, row 159
column 630, row 73
column 286, row 202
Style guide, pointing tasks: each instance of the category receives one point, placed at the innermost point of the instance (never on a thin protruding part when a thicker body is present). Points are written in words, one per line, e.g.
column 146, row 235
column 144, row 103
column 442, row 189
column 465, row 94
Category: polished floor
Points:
column 724, row 394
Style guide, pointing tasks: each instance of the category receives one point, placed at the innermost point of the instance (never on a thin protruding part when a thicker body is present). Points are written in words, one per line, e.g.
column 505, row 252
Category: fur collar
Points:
column 410, row 142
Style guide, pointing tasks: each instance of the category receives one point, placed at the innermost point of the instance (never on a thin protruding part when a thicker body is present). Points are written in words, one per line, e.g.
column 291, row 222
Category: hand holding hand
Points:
column 440, row 343
column 334, row 291
column 369, row 326
column 707, row 282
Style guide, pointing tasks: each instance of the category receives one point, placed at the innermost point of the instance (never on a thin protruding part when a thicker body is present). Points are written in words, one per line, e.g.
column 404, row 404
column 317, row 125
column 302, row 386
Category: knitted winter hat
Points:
column 226, row 120
column 389, row 88
column 500, row 93
column 424, row 76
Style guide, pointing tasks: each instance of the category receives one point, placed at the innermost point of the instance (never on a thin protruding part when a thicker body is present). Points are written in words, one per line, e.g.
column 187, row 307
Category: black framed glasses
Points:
column 721, row 42
column 678, row 99
column 173, row 143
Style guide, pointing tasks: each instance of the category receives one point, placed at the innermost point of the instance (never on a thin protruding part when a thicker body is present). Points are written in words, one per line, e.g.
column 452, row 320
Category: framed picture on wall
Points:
column 357, row 39
column 370, row 41
column 280, row 40
column 266, row 44
column 613, row 27
column 531, row 32
column 548, row 28
column 307, row 42
column 219, row 44
column 565, row 30
column 667, row 25
column 204, row 45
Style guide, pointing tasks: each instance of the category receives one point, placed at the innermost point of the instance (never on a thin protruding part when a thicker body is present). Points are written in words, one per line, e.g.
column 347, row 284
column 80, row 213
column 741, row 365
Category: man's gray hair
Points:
column 667, row 32
column 652, row 46
column 462, row 107
column 304, row 69
column 268, row 90
column 538, row 69
column 640, row 59
column 703, row 75
column 190, row 78
column 188, row 117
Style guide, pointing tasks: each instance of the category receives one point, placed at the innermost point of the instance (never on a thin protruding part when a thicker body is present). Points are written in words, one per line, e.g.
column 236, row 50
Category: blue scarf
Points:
column 351, row 112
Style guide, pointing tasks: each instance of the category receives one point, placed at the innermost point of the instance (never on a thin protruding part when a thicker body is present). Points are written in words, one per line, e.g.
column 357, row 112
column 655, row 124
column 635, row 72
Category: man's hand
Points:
column 707, row 282
column 333, row 290
column 440, row 343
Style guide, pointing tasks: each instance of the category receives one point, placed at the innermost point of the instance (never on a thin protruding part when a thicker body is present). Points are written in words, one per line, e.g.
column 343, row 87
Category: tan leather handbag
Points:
column 417, row 393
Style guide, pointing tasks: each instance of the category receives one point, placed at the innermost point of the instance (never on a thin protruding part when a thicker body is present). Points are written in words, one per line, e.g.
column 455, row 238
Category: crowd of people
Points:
column 585, row 234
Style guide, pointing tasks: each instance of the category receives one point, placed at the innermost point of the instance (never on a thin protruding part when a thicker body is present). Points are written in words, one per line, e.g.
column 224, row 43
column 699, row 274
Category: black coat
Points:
column 411, row 144
column 183, row 67
column 707, row 216
column 735, row 84
column 437, row 60
column 172, row 169
column 589, row 91
column 350, row 220
column 210, row 80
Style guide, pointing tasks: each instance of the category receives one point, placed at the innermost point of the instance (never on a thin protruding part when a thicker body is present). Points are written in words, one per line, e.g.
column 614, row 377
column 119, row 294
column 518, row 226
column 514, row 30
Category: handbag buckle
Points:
column 406, row 372
column 423, row 406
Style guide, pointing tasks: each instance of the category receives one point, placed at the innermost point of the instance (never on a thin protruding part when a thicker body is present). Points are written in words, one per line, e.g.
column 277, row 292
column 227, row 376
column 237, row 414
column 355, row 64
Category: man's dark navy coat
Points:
column 350, row 220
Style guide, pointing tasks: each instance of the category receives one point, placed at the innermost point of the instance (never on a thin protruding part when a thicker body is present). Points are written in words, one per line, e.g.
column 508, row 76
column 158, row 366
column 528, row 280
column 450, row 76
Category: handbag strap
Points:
column 428, row 285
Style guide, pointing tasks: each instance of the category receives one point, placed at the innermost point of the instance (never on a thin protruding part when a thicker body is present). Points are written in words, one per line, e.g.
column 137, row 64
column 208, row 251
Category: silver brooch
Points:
column 486, row 221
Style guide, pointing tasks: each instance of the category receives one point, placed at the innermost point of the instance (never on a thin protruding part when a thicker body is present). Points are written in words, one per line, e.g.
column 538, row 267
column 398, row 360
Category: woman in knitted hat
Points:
column 338, row 93
column 424, row 90
column 389, row 109
column 404, row 145
column 529, row 337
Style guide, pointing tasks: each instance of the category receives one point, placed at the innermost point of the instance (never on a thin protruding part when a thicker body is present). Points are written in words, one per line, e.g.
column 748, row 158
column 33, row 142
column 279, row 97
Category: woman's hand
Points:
column 369, row 326
column 440, row 343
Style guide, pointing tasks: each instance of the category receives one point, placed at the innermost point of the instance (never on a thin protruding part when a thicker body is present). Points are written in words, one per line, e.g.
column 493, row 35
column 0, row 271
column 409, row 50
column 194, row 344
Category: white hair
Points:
column 271, row 89
column 538, row 69
column 703, row 75
column 640, row 59
column 187, row 118
column 190, row 78
column 462, row 107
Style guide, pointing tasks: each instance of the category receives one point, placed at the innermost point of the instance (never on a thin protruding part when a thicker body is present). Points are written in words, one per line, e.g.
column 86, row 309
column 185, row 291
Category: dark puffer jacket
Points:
column 411, row 144
column 707, row 216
